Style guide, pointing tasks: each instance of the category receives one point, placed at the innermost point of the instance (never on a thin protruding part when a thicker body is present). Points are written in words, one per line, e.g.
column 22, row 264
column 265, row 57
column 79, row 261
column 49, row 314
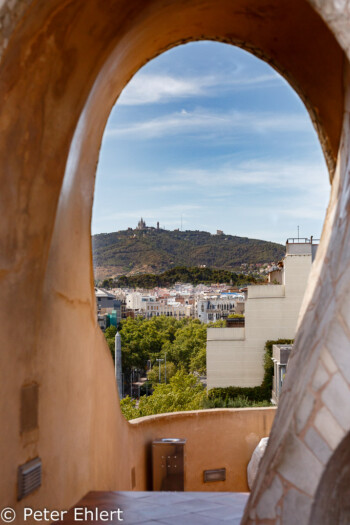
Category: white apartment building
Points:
column 215, row 307
column 151, row 306
column 177, row 310
column 138, row 301
column 235, row 355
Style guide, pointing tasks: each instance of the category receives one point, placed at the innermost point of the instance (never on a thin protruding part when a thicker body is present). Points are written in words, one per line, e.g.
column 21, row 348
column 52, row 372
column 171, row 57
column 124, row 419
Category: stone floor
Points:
column 160, row 508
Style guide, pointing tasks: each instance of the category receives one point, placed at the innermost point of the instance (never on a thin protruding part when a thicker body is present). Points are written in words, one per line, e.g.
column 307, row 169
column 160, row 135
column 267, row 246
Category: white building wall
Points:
column 220, row 307
column 271, row 312
column 179, row 311
column 133, row 301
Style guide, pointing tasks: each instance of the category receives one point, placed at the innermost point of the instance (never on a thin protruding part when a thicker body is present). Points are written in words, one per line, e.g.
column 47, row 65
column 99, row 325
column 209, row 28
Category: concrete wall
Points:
column 226, row 334
column 271, row 313
column 262, row 291
column 206, row 448
column 62, row 66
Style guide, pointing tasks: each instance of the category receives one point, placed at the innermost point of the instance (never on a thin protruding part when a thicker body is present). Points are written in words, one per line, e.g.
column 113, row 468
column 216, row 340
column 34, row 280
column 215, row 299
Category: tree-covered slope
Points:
column 151, row 250
column 182, row 274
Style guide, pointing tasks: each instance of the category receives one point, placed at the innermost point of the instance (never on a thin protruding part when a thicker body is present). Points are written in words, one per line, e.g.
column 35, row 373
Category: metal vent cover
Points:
column 218, row 474
column 29, row 477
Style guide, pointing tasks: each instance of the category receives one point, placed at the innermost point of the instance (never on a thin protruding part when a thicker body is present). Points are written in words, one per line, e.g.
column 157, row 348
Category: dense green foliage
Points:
column 182, row 274
column 129, row 408
column 153, row 374
column 235, row 402
column 156, row 251
column 110, row 338
column 255, row 393
column 143, row 340
column 183, row 392
column 184, row 343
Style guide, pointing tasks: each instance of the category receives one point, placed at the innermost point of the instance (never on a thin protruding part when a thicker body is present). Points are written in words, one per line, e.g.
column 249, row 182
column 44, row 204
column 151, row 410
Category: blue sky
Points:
column 209, row 133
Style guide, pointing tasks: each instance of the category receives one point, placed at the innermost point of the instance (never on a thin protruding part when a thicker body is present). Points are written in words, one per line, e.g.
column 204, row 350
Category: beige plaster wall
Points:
column 62, row 65
column 206, row 448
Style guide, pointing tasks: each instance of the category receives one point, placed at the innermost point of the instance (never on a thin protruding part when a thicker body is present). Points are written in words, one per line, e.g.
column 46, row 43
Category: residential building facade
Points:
column 235, row 355
column 216, row 307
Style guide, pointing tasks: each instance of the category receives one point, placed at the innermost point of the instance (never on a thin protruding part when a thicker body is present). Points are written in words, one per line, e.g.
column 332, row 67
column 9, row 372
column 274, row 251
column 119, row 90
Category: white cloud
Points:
column 146, row 88
column 205, row 123
column 277, row 174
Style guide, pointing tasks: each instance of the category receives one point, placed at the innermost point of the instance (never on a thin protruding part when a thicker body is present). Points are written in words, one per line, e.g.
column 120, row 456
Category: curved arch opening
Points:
column 69, row 61
column 194, row 145
column 146, row 37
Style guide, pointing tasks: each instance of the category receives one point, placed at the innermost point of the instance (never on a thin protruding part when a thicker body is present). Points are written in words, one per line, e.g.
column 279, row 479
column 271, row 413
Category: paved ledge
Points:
column 158, row 508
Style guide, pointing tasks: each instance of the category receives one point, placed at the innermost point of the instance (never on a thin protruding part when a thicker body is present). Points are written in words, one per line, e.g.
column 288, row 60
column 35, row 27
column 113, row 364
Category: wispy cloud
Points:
column 205, row 123
column 146, row 88
column 275, row 174
column 229, row 173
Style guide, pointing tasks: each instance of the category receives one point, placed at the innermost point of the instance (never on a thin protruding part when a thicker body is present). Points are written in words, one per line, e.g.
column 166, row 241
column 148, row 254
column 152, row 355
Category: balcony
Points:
column 219, row 438
column 163, row 508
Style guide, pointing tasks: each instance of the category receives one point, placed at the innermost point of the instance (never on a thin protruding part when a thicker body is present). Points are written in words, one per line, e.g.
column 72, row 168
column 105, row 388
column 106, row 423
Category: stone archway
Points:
column 63, row 64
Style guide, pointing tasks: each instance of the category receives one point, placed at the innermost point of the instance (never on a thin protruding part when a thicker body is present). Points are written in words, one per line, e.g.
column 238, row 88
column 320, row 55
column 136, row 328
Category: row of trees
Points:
column 146, row 340
column 194, row 275
column 183, row 392
column 183, row 343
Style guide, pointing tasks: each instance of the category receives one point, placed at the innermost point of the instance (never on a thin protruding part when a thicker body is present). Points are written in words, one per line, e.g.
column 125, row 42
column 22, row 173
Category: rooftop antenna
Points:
column 181, row 222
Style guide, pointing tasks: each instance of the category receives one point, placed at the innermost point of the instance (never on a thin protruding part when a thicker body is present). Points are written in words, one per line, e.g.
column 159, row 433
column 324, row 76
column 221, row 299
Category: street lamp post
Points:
column 165, row 367
column 159, row 361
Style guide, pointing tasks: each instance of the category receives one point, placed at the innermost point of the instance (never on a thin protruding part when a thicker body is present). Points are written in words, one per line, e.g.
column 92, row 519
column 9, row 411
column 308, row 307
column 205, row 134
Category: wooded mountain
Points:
column 150, row 250
column 181, row 274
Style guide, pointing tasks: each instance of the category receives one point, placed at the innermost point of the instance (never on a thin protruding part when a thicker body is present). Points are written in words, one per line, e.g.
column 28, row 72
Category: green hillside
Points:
column 131, row 252
column 184, row 274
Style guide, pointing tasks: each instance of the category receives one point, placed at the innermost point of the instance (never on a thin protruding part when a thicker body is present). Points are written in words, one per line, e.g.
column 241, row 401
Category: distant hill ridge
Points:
column 155, row 250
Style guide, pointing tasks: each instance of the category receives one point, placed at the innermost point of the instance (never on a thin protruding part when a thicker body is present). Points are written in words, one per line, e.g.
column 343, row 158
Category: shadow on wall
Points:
column 332, row 499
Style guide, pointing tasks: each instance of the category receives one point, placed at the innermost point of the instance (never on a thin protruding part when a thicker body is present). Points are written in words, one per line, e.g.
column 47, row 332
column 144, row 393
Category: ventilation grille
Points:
column 29, row 477
column 215, row 475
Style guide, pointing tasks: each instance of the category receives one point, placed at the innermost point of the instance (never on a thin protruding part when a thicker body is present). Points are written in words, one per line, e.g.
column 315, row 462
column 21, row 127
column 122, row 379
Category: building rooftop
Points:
column 164, row 508
column 99, row 292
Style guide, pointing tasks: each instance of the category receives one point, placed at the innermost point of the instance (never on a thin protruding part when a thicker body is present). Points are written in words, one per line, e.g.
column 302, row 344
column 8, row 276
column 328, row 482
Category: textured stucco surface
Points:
column 11, row 12
column 337, row 15
column 313, row 417
column 206, row 448
column 63, row 64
